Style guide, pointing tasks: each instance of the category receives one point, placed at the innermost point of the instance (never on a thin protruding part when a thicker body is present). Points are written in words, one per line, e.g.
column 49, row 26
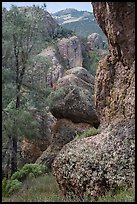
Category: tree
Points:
column 19, row 36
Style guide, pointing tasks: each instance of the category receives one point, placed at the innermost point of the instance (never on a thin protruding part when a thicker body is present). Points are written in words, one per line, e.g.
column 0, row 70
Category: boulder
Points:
column 98, row 163
column 74, row 99
column 63, row 132
column 95, row 41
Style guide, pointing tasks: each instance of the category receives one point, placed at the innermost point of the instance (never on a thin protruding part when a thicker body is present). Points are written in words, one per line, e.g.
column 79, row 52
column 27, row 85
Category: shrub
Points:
column 28, row 169
column 15, row 181
column 88, row 133
column 12, row 186
column 55, row 96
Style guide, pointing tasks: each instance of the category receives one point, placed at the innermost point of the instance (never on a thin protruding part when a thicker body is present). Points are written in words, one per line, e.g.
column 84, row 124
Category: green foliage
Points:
column 88, row 133
column 46, row 189
column 12, row 186
column 28, row 171
column 19, row 123
column 9, row 186
column 55, row 96
column 61, row 32
column 91, row 60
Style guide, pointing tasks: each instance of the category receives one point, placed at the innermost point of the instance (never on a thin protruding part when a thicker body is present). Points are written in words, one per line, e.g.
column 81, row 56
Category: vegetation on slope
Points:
column 45, row 189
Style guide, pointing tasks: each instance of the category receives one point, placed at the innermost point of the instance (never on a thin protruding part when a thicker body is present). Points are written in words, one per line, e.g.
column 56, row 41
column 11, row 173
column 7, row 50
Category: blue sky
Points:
column 53, row 7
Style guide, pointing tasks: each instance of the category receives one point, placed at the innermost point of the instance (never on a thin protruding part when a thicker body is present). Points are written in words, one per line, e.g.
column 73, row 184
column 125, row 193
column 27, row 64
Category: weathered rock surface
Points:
column 115, row 77
column 97, row 163
column 63, row 132
column 29, row 151
column 95, row 41
column 105, row 161
column 115, row 90
column 56, row 70
column 66, row 55
column 117, row 20
column 74, row 99
column 70, row 50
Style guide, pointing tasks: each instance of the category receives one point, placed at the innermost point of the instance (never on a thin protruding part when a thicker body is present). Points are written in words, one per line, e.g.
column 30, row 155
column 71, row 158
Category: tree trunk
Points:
column 14, row 155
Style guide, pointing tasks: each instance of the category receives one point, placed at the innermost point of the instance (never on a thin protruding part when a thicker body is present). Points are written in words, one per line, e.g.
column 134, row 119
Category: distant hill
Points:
column 82, row 22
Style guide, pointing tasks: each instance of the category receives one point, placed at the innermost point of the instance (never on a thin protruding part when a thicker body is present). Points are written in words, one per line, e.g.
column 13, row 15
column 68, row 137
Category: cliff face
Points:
column 70, row 50
column 115, row 78
column 105, row 161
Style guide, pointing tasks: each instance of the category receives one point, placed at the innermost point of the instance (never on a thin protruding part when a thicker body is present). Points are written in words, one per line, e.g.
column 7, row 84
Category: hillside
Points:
column 82, row 22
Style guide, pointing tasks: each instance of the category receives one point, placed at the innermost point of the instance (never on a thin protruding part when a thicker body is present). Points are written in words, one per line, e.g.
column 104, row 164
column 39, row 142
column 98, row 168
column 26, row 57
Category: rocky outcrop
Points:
column 63, row 132
column 106, row 161
column 70, row 50
column 115, row 90
column 115, row 77
column 120, row 33
column 72, row 103
column 65, row 55
column 29, row 151
column 95, row 41
column 74, row 97
column 56, row 69
column 98, row 163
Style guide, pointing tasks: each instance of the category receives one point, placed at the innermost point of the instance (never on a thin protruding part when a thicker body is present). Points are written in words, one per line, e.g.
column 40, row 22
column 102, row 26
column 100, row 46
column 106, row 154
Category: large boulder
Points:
column 63, row 132
column 56, row 69
column 74, row 97
column 98, row 163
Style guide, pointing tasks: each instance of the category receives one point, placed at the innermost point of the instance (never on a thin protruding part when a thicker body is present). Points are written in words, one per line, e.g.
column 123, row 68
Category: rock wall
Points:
column 106, row 161
column 70, row 50
column 115, row 77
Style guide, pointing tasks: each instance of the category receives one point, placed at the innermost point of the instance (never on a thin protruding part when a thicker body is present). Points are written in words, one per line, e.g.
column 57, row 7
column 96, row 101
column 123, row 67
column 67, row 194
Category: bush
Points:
column 55, row 96
column 88, row 133
column 9, row 186
column 28, row 169
column 15, row 181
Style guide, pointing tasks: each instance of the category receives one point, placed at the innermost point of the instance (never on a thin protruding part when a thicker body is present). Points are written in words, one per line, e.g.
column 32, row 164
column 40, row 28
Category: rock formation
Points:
column 95, row 41
column 63, row 132
column 115, row 77
column 73, row 106
column 70, row 50
column 73, row 98
column 103, row 162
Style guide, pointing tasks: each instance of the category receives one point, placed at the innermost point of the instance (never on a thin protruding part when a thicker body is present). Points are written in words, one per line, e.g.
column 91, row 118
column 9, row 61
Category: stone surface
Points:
column 115, row 78
column 98, row 163
column 95, row 41
column 56, row 69
column 103, row 162
column 63, row 132
column 74, row 97
column 29, row 151
column 70, row 50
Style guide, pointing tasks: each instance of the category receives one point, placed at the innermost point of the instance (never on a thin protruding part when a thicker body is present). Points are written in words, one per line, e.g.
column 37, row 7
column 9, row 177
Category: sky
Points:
column 53, row 7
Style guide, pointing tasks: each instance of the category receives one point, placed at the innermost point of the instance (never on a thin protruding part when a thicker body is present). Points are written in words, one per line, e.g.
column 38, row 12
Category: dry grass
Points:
column 45, row 189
